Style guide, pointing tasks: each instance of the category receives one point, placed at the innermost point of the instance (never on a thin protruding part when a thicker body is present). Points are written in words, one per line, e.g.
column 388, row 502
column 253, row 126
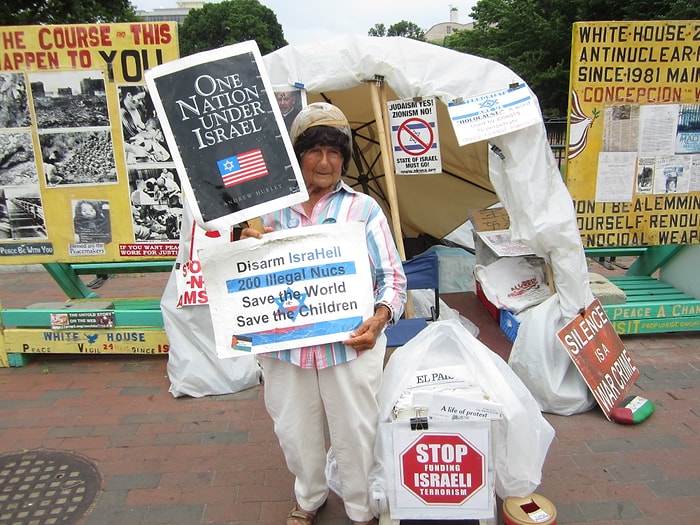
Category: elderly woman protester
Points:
column 334, row 383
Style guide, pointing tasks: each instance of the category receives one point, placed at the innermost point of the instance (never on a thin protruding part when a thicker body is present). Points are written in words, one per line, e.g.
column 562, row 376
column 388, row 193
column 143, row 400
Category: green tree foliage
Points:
column 228, row 22
column 403, row 28
column 533, row 37
column 377, row 30
column 32, row 12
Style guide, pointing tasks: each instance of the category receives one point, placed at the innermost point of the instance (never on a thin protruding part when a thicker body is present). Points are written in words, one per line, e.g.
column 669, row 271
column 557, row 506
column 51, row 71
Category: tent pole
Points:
column 384, row 141
column 378, row 96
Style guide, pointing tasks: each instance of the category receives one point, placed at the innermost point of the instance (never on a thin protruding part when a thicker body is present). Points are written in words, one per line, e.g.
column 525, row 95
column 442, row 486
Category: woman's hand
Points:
column 247, row 233
column 365, row 337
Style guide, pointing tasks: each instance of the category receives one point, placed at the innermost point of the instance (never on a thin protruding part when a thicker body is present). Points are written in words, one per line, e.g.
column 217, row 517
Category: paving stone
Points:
column 116, row 516
column 133, row 481
column 636, row 443
column 610, row 510
column 629, row 473
column 674, row 488
column 67, row 393
column 140, row 391
column 174, row 514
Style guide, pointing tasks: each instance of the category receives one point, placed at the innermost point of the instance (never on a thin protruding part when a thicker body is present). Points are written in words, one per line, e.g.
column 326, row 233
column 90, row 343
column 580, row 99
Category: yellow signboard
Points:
column 633, row 166
column 111, row 341
column 86, row 174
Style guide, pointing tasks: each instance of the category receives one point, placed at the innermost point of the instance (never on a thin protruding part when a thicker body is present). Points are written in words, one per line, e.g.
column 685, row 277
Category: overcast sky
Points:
column 311, row 20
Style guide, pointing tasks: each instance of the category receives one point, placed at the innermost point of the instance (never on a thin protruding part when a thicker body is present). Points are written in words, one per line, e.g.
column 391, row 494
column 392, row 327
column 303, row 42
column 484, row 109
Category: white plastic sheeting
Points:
column 517, row 168
column 523, row 172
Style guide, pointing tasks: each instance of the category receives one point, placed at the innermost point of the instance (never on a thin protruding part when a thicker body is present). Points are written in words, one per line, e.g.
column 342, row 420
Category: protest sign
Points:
column 228, row 137
column 191, row 289
column 414, row 136
column 443, row 473
column 293, row 288
column 492, row 114
column 600, row 356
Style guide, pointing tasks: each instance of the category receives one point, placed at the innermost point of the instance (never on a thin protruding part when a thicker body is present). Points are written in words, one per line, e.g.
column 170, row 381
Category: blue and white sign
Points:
column 293, row 288
column 493, row 114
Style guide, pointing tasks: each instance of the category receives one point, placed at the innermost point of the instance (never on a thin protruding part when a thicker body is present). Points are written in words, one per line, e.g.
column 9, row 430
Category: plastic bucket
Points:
column 535, row 509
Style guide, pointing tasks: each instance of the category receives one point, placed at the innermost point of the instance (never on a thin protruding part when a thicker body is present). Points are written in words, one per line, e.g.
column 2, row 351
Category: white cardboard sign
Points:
column 493, row 114
column 293, row 288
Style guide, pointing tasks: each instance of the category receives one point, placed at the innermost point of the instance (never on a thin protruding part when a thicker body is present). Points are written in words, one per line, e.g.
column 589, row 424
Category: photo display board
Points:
column 86, row 174
column 633, row 166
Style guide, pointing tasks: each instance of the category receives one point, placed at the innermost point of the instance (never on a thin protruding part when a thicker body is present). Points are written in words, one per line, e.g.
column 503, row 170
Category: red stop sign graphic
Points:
column 442, row 469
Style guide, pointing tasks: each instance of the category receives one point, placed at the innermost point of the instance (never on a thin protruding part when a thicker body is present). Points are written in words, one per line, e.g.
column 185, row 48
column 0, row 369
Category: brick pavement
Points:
column 216, row 461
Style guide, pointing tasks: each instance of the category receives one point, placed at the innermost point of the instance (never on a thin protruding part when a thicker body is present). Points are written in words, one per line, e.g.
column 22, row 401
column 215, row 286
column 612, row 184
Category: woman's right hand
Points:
column 247, row 233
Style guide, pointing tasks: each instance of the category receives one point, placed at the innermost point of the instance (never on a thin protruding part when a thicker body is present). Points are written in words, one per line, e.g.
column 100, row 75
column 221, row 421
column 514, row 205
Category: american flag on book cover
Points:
column 242, row 167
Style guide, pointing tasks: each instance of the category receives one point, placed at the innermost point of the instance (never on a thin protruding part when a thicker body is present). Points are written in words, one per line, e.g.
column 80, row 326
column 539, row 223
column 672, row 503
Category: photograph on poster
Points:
column 17, row 164
column 688, row 135
column 144, row 141
column 22, row 214
column 621, row 127
column 91, row 221
column 645, row 175
column 5, row 228
column 672, row 174
column 290, row 102
column 69, row 99
column 14, row 109
column 156, row 204
column 79, row 157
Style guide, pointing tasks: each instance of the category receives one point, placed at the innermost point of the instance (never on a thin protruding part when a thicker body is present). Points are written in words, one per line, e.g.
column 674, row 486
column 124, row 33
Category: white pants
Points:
column 297, row 400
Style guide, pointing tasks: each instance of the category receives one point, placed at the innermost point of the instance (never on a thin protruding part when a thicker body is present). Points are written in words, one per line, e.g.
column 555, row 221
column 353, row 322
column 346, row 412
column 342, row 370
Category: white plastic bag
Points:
column 513, row 283
column 521, row 439
column 193, row 366
column 424, row 299
column 541, row 362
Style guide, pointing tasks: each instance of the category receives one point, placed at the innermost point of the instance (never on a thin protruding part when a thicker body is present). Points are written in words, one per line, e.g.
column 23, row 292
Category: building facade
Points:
column 170, row 14
column 438, row 32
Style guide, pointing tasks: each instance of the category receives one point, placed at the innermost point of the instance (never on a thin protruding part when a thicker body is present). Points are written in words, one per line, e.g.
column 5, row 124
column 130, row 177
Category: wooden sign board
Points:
column 600, row 356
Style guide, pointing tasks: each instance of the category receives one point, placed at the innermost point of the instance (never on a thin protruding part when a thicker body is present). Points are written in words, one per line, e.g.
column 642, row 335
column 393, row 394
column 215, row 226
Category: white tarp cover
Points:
column 522, row 174
column 517, row 168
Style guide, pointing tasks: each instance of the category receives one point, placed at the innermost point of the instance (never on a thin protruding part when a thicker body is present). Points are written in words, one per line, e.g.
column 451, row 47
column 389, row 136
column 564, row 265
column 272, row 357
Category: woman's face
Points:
column 321, row 167
column 131, row 102
column 87, row 211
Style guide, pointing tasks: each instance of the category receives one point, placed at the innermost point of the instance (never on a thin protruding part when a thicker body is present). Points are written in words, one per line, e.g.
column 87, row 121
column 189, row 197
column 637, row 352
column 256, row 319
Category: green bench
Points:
column 652, row 306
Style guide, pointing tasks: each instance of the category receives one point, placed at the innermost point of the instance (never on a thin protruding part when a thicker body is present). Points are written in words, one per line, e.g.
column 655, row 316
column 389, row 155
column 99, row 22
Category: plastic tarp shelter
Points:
column 518, row 168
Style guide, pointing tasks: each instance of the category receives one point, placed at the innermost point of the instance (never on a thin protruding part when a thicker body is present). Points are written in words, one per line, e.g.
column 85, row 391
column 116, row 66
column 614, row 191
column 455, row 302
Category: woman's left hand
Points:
column 365, row 337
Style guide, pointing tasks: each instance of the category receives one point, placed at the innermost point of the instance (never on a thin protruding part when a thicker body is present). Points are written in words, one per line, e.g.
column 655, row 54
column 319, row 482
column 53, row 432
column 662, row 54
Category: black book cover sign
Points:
column 227, row 135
